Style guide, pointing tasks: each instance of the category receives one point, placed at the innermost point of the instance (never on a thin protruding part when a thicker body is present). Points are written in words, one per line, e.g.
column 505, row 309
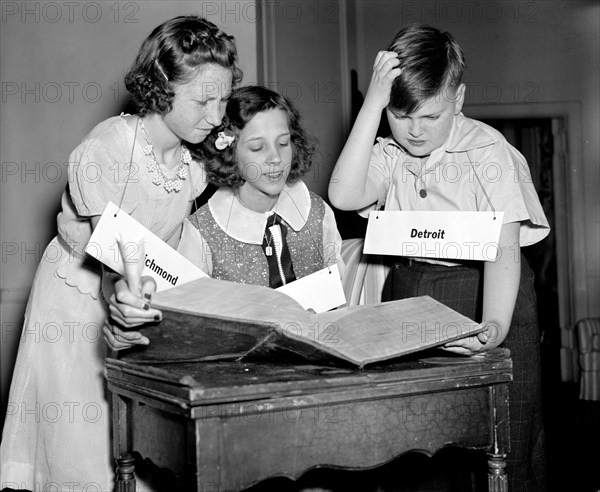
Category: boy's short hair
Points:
column 432, row 62
column 172, row 54
column 246, row 102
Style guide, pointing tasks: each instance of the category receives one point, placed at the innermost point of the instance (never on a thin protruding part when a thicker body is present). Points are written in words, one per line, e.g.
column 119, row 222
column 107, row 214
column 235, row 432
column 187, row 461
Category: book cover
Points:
column 210, row 319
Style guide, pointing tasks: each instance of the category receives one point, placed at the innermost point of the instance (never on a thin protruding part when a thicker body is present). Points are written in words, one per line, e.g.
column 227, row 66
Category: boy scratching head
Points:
column 428, row 93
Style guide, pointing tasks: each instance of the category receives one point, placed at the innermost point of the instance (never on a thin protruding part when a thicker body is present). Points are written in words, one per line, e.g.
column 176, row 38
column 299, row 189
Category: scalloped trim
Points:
column 86, row 280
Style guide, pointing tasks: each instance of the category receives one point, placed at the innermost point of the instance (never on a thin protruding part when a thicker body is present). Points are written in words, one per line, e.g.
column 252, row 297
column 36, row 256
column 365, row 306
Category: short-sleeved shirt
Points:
column 99, row 172
column 475, row 170
column 224, row 237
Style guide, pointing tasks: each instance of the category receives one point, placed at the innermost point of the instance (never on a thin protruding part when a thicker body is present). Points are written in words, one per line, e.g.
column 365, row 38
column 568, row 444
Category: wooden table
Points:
column 228, row 425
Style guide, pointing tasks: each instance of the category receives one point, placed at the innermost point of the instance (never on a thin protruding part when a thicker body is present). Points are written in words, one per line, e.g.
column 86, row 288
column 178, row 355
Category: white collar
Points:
column 248, row 226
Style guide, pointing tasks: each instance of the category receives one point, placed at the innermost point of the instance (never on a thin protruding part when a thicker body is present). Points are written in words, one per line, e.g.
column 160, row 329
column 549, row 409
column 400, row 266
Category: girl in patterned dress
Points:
column 263, row 226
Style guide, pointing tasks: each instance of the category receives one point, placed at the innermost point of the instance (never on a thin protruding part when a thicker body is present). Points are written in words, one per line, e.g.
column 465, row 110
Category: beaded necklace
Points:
column 153, row 166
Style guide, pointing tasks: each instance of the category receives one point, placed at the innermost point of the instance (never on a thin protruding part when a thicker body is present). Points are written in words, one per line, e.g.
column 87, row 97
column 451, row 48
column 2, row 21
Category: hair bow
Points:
column 223, row 140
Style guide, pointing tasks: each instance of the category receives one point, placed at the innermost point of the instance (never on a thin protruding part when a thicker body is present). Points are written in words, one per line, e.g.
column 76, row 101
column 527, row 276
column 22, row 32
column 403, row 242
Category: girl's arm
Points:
column 349, row 188
column 131, row 310
column 127, row 307
column 500, row 288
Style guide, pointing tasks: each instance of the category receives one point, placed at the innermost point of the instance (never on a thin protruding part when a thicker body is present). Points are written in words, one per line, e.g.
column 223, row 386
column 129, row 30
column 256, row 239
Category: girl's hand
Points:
column 118, row 339
column 385, row 71
column 130, row 309
column 488, row 339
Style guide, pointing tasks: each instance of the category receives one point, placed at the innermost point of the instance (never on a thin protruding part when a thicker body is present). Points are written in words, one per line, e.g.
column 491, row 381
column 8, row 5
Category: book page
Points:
column 233, row 300
column 382, row 331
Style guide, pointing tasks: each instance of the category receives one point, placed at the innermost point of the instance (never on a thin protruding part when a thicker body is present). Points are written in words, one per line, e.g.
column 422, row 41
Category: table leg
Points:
column 125, row 481
column 499, row 424
column 497, row 478
column 125, row 478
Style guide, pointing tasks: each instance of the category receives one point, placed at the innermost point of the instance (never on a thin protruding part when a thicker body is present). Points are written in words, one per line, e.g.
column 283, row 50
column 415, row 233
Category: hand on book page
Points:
column 209, row 317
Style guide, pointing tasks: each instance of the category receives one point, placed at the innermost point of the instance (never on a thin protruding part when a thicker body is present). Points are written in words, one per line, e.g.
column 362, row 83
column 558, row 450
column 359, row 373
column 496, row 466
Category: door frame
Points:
column 569, row 211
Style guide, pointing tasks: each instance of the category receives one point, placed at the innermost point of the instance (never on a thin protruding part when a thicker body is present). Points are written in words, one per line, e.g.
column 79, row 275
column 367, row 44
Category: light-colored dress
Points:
column 57, row 431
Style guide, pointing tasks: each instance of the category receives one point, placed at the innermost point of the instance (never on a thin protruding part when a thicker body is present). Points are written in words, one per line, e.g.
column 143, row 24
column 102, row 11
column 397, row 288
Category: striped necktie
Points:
column 277, row 253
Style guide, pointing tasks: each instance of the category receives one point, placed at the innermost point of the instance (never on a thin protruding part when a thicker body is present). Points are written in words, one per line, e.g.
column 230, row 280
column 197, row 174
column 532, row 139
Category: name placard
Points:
column 163, row 263
column 444, row 235
column 320, row 291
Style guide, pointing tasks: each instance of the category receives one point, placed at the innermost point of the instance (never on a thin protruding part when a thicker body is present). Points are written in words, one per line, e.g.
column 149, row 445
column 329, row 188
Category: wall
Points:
column 62, row 66
column 302, row 59
column 525, row 52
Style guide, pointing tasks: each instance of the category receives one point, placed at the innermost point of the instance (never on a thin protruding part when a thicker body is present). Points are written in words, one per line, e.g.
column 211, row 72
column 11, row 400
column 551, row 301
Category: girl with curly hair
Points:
column 57, row 433
column 263, row 226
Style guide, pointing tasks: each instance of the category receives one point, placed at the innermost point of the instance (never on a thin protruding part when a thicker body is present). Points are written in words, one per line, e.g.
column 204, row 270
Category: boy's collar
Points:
column 248, row 226
column 468, row 134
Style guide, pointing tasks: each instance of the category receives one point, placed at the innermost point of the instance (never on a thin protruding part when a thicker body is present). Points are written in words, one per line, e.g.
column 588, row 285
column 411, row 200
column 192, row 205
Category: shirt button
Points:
column 422, row 193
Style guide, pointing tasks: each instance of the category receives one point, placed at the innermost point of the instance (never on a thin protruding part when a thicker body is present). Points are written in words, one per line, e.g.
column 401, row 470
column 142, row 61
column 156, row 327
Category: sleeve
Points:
column 379, row 174
column 503, row 181
column 195, row 248
column 364, row 275
column 97, row 175
column 332, row 241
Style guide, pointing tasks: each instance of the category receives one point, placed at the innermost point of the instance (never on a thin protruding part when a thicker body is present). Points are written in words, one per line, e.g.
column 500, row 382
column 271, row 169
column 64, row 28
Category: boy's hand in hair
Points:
column 385, row 71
